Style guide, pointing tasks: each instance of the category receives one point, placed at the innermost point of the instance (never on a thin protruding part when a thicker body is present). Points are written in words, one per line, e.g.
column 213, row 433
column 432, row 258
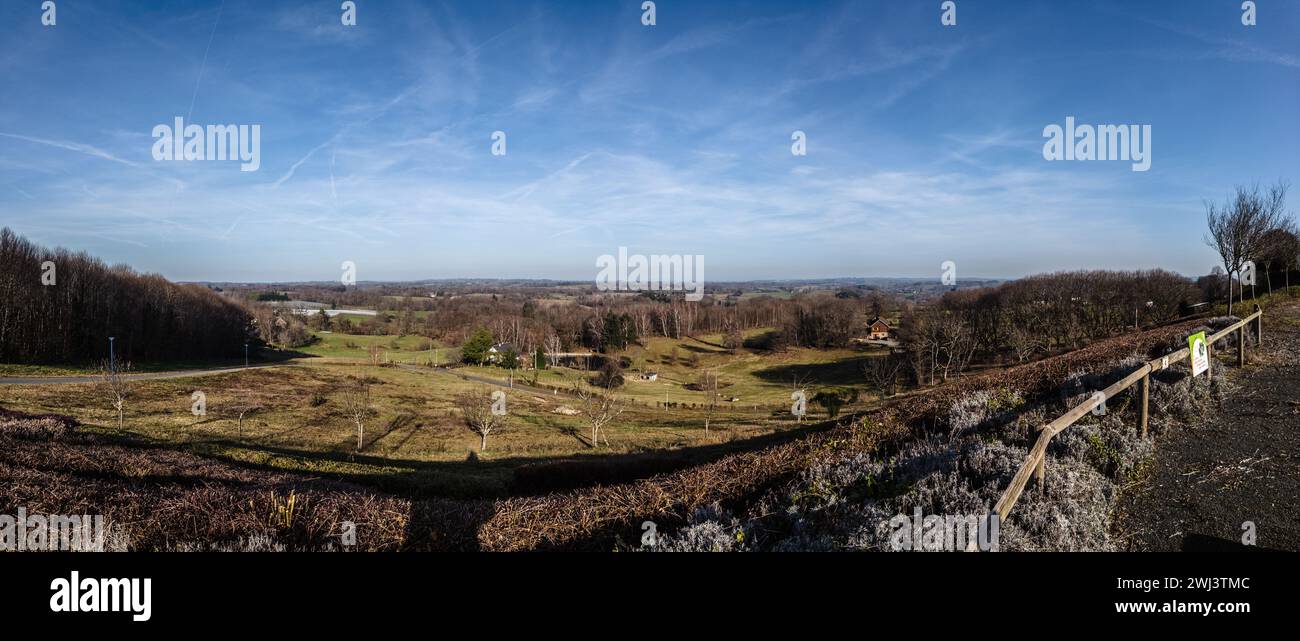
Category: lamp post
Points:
column 112, row 362
column 245, row 354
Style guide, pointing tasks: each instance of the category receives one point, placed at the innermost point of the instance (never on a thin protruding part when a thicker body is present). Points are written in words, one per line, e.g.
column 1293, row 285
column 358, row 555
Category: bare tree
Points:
column 1279, row 247
column 116, row 386
column 708, row 383
column 956, row 343
column 732, row 338
column 355, row 400
column 1237, row 227
column 553, row 348
column 876, row 304
column 600, row 409
column 241, row 408
column 918, row 341
column 882, row 373
column 1025, row 342
column 476, row 409
column 1289, row 256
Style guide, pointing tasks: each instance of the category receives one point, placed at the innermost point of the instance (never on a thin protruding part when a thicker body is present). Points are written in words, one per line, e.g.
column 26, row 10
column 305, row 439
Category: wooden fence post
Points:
column 1259, row 327
column 1040, row 471
column 1035, row 462
column 1146, row 400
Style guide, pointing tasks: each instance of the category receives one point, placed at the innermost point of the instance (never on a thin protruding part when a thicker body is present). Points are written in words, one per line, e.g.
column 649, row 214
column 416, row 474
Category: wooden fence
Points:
column 1036, row 461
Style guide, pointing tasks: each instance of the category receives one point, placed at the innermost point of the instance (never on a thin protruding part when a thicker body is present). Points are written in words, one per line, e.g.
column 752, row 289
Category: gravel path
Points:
column 1240, row 463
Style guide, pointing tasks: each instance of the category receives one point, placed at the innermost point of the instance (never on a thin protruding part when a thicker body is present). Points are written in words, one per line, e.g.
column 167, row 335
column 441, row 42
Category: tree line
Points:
column 1034, row 316
column 60, row 306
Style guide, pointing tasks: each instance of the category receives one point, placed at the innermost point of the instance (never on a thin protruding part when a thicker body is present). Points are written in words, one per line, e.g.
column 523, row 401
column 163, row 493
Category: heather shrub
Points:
column 44, row 428
column 960, row 466
column 982, row 409
column 710, row 529
column 1071, row 511
column 1112, row 446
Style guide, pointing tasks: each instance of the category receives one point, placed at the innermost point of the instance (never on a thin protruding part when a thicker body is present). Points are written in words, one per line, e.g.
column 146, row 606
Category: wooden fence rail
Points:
column 1036, row 461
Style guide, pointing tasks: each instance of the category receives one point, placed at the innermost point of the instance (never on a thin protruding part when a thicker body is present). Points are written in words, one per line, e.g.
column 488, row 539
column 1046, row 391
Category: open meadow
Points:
column 416, row 439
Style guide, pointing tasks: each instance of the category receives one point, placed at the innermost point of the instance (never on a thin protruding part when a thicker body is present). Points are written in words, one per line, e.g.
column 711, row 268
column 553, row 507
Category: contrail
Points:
column 204, row 64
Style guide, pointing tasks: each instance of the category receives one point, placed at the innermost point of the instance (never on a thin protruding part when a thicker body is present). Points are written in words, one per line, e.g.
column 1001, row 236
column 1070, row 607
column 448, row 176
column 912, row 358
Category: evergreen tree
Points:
column 475, row 350
column 618, row 331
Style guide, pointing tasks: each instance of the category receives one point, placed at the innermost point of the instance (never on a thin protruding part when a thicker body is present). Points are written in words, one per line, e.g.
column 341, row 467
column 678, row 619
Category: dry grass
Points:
column 167, row 498
column 415, row 443
column 600, row 516
column 162, row 498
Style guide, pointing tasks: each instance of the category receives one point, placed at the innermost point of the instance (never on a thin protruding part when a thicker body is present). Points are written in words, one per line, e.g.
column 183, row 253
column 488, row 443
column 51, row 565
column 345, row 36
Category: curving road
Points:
column 148, row 376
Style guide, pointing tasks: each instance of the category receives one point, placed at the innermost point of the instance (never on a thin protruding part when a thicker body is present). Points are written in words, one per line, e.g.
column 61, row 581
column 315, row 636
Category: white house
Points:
column 497, row 353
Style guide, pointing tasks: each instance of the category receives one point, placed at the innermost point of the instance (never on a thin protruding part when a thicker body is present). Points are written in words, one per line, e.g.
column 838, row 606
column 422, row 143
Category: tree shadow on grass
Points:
column 845, row 371
column 493, row 478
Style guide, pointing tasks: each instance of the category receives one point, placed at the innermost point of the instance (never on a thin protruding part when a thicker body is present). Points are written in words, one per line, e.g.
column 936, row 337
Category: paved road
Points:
column 148, row 376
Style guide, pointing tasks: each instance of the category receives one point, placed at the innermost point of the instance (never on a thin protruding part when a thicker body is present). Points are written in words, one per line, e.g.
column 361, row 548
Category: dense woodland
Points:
column 1038, row 315
column 70, row 319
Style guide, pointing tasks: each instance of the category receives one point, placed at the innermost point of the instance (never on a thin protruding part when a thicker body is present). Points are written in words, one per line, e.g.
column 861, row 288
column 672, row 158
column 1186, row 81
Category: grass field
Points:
column 753, row 379
column 415, row 441
column 404, row 349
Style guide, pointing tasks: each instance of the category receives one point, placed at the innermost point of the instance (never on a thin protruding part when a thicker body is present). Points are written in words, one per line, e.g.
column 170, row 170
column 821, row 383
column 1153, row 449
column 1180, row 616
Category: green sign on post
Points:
column 1197, row 344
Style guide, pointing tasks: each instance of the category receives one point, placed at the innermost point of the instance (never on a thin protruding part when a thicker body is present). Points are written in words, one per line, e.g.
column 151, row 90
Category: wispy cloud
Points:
column 923, row 141
column 80, row 148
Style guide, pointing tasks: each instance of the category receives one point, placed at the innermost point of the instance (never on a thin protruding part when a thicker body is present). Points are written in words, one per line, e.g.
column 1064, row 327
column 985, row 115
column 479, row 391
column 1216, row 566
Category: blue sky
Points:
column 924, row 141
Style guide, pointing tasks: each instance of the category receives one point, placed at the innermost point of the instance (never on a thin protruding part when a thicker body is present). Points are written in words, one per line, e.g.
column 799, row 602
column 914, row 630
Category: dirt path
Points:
column 1240, row 463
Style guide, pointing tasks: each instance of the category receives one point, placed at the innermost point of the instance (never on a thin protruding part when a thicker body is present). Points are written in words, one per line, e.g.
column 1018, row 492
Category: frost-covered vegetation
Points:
column 959, row 465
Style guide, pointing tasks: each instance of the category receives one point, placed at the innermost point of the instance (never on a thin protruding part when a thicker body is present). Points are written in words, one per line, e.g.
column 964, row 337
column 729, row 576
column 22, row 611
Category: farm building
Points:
column 878, row 329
